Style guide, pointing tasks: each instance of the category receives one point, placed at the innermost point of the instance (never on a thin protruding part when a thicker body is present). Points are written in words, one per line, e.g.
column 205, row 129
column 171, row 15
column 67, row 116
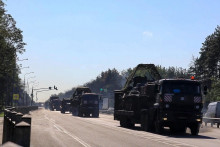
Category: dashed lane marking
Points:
column 61, row 129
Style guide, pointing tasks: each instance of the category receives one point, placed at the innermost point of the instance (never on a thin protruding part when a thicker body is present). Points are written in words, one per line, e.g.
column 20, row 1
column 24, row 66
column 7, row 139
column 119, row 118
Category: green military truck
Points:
column 156, row 103
column 85, row 103
column 65, row 105
column 54, row 103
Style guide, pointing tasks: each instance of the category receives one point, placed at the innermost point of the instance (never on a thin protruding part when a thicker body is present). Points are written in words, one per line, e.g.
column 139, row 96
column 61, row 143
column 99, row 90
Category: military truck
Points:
column 54, row 103
column 65, row 105
column 85, row 103
column 156, row 103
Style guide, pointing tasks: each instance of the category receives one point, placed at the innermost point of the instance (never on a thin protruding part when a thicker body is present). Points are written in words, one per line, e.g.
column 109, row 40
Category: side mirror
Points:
column 157, row 88
column 205, row 90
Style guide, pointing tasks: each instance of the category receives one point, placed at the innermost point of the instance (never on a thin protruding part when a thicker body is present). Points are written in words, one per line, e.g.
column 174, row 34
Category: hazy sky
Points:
column 69, row 42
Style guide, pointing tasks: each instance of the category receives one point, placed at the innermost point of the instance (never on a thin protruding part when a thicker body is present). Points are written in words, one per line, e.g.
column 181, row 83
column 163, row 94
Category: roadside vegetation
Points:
column 207, row 66
column 2, row 114
column 11, row 45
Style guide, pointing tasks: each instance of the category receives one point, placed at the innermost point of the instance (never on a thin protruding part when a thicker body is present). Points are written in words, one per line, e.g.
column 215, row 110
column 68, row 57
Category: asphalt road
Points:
column 53, row 129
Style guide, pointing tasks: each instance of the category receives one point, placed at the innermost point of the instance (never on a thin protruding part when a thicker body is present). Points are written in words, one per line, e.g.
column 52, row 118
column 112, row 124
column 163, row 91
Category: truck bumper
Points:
column 169, row 118
column 89, row 110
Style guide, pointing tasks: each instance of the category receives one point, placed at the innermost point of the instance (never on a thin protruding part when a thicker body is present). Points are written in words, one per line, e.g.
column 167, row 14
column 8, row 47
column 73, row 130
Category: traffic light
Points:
column 55, row 87
column 49, row 88
column 101, row 89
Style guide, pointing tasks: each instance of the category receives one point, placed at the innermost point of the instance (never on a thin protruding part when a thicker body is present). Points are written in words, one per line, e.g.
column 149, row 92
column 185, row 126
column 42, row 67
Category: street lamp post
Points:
column 41, row 90
column 28, row 86
column 24, row 88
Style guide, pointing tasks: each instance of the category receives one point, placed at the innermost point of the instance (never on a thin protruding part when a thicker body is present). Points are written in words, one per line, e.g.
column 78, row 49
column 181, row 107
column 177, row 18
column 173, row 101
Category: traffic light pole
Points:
column 43, row 89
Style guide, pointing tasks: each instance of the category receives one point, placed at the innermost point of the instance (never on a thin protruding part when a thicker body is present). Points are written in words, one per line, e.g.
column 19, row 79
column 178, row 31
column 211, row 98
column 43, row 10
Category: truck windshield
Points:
column 180, row 87
column 54, row 98
column 90, row 97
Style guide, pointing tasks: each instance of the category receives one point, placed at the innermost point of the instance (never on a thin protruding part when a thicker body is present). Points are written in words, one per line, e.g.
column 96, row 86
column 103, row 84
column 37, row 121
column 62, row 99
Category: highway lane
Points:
column 51, row 128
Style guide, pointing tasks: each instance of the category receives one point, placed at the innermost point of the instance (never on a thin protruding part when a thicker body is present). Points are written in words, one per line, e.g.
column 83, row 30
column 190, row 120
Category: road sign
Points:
column 15, row 96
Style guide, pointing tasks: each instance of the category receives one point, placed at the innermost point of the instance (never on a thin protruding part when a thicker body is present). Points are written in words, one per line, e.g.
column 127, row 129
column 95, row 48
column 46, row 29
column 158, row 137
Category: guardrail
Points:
column 17, row 126
column 212, row 121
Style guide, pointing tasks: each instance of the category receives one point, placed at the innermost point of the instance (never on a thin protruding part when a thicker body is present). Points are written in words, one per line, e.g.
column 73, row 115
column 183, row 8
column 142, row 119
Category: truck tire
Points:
column 145, row 123
column 126, row 123
column 123, row 123
column 96, row 114
column 62, row 111
column 195, row 129
column 80, row 114
column 75, row 112
column 158, row 127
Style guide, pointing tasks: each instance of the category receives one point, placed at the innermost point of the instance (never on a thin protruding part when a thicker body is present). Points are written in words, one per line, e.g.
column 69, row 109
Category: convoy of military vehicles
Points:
column 82, row 103
column 146, row 99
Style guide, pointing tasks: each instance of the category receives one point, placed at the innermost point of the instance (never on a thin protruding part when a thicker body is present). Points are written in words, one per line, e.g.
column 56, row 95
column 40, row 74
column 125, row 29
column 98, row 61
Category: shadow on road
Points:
column 167, row 133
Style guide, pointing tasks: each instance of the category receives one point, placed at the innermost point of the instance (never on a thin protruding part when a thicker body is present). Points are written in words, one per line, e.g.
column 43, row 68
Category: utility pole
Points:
column 32, row 96
column 24, row 94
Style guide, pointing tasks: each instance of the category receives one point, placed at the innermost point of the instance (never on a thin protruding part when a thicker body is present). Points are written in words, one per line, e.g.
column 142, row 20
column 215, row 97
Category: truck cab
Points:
column 54, row 103
column 179, row 104
column 85, row 103
column 65, row 105
column 89, row 105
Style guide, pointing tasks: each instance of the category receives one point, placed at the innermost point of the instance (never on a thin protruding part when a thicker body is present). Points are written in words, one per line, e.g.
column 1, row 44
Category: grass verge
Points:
column 1, row 114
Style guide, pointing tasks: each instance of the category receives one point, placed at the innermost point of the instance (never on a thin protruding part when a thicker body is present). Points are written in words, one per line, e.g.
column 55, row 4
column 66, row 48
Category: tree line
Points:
column 112, row 79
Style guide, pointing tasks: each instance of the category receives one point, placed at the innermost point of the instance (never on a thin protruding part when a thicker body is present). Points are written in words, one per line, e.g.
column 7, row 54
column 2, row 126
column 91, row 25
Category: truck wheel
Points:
column 123, row 123
column 145, row 123
column 80, row 114
column 158, row 127
column 126, row 123
column 74, row 112
column 96, row 114
column 62, row 111
column 195, row 129
column 130, row 124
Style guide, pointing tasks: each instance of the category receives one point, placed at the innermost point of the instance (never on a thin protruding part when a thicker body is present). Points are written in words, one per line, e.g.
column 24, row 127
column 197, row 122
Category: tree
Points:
column 11, row 44
column 207, row 65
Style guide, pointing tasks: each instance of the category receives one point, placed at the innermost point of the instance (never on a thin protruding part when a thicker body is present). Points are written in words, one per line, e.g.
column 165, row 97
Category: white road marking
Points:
column 148, row 136
column 59, row 128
